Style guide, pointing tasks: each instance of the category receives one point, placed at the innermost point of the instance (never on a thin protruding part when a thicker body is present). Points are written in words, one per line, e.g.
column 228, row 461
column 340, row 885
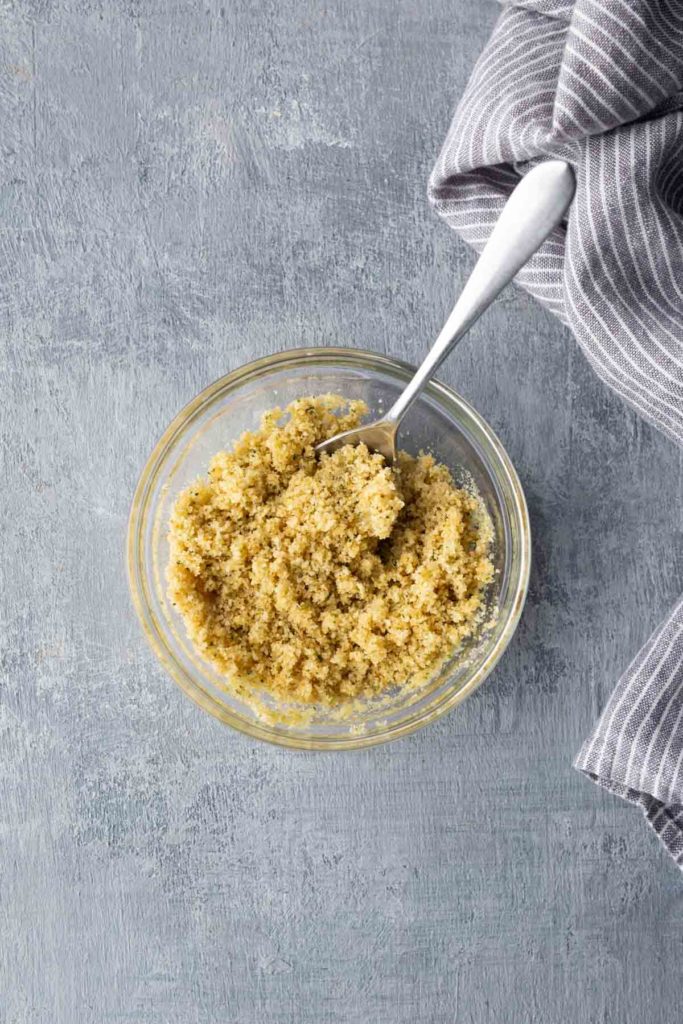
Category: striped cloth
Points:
column 599, row 83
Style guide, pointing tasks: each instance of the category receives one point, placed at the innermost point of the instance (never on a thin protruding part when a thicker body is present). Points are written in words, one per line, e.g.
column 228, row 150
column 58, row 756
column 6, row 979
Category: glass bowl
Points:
column 439, row 422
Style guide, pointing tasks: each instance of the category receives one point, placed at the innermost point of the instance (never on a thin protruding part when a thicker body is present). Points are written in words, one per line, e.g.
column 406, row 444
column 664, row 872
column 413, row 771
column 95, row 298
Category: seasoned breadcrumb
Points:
column 320, row 580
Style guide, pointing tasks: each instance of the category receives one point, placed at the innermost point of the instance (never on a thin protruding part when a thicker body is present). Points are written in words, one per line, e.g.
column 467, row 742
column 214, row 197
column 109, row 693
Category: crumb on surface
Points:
column 320, row 580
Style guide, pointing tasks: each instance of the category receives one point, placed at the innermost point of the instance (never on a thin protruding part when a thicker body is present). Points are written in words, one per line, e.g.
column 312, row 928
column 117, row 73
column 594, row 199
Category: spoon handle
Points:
column 535, row 207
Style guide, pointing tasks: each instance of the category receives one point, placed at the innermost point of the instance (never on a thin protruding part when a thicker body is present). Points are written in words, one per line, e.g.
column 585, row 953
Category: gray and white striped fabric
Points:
column 599, row 83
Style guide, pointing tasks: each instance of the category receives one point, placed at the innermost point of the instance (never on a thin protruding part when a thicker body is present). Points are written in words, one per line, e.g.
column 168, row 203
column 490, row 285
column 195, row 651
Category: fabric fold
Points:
column 600, row 84
column 636, row 749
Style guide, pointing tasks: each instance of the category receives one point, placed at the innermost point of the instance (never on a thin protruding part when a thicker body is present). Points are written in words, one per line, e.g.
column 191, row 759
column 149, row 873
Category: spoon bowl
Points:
column 379, row 436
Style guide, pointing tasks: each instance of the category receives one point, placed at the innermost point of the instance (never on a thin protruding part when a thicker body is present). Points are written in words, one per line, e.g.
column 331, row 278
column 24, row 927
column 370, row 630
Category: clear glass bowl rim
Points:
column 351, row 358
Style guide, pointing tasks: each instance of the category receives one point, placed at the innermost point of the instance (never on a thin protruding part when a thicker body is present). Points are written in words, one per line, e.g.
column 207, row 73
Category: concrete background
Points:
column 186, row 186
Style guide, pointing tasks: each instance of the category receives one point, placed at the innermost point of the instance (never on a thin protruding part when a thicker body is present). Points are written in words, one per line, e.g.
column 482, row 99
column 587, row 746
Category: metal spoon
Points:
column 536, row 206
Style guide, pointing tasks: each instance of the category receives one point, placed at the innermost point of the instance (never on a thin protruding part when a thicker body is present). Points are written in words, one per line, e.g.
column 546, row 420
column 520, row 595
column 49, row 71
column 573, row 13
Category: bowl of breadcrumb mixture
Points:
column 333, row 600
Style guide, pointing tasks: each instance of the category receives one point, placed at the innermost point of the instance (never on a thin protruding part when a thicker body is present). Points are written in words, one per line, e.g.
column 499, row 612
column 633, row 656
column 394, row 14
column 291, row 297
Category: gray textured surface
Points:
column 185, row 187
